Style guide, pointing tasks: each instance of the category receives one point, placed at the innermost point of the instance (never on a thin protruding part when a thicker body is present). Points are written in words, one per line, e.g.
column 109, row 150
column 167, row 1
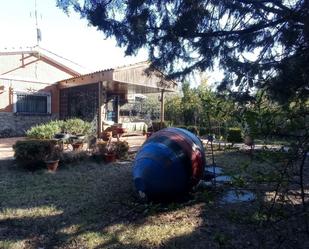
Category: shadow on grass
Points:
column 93, row 205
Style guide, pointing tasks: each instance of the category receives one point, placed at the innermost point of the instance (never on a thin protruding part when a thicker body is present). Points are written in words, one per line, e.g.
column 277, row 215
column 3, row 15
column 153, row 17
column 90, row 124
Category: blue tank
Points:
column 169, row 164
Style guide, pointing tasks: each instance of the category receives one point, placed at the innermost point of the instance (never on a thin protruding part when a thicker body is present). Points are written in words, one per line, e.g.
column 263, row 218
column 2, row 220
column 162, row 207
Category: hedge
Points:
column 234, row 135
column 31, row 154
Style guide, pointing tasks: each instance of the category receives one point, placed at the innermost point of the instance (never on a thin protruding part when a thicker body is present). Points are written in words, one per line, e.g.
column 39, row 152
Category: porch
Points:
column 97, row 97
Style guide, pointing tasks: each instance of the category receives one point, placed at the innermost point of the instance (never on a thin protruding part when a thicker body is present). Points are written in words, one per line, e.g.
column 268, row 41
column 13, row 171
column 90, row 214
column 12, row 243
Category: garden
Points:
column 257, row 200
column 64, row 142
column 67, row 188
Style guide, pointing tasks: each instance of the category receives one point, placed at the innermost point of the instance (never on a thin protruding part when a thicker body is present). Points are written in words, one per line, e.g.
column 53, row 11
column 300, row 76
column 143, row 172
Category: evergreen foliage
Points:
column 257, row 43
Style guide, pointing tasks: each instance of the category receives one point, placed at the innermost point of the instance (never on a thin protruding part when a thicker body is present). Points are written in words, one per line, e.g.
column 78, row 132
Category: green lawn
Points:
column 91, row 205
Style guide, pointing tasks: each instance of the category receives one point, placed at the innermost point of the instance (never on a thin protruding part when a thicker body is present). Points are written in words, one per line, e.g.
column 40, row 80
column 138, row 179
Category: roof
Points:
column 124, row 78
column 52, row 58
column 107, row 70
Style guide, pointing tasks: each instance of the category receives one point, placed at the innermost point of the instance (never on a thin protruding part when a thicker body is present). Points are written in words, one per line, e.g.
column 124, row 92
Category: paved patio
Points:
column 6, row 150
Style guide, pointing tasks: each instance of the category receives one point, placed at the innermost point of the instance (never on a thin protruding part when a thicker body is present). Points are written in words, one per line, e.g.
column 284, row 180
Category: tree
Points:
column 256, row 42
column 191, row 105
column 173, row 109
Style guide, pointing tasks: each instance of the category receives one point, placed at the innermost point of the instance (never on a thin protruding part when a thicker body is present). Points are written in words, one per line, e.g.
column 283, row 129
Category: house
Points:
column 36, row 86
column 28, row 93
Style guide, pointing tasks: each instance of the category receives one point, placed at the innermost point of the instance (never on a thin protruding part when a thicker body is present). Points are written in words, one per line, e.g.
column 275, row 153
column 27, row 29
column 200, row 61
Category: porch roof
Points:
column 125, row 79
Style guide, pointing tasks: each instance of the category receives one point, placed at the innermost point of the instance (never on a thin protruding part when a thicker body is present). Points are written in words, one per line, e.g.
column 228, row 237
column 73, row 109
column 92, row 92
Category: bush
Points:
column 121, row 149
column 193, row 129
column 73, row 157
column 45, row 131
column 156, row 126
column 31, row 154
column 76, row 126
column 203, row 131
column 102, row 147
column 234, row 135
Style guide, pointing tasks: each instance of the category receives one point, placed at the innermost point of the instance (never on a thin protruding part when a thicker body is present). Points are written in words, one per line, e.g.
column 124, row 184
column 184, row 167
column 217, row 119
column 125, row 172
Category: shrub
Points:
column 102, row 147
column 45, row 131
column 32, row 153
column 203, row 131
column 73, row 157
column 234, row 135
column 193, row 129
column 156, row 126
column 48, row 130
column 121, row 149
column 76, row 126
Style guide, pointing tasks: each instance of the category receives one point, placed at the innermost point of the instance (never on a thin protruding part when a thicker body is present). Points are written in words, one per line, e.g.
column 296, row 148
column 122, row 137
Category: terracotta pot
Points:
column 110, row 157
column 52, row 165
column 77, row 146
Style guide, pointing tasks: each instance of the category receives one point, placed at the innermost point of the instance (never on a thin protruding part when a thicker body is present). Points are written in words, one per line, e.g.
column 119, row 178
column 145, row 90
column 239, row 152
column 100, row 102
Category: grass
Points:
column 91, row 205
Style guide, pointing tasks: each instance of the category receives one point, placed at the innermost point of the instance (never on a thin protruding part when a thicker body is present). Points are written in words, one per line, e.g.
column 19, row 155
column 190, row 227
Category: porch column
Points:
column 118, row 109
column 99, row 129
column 162, row 109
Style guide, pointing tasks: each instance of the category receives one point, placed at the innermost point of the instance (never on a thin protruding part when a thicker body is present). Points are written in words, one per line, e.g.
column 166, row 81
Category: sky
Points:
column 67, row 36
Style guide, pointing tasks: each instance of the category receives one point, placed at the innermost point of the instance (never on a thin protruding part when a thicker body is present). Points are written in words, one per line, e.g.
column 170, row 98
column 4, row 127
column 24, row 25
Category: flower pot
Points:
column 77, row 146
column 52, row 165
column 110, row 157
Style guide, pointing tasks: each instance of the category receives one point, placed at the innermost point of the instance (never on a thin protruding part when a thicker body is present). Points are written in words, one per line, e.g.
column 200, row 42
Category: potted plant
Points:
column 110, row 154
column 76, row 142
column 100, row 150
column 77, row 145
column 121, row 149
column 107, row 134
column 52, row 160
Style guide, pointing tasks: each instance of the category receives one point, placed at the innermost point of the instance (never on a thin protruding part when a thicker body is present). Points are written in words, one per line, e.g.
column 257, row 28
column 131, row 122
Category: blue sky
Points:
column 68, row 36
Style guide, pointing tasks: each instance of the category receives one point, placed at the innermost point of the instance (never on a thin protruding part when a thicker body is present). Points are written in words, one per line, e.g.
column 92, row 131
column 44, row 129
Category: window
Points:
column 32, row 103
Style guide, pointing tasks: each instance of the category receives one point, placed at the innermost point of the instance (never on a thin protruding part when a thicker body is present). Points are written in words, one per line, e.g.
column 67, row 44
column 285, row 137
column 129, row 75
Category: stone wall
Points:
column 12, row 124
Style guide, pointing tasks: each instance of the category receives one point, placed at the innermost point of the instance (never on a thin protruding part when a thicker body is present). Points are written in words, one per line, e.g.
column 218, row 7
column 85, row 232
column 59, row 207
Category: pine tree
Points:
column 258, row 43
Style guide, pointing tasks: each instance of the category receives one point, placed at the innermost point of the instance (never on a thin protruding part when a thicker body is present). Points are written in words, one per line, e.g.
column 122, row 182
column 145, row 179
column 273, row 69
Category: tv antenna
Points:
column 38, row 30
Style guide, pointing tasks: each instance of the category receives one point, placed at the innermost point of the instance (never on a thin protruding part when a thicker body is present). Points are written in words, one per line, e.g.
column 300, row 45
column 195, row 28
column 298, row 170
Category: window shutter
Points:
column 49, row 104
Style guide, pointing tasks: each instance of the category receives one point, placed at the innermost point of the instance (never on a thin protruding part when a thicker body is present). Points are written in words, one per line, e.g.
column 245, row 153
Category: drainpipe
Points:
column 99, row 128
